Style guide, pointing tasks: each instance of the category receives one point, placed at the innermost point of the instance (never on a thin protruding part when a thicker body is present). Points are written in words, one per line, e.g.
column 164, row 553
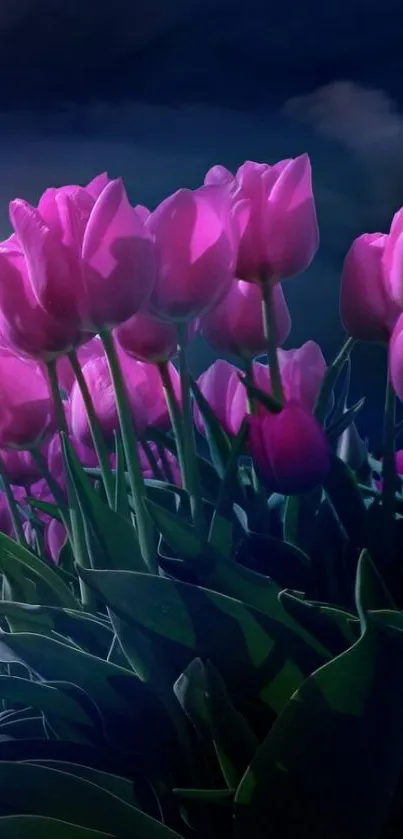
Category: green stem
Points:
column 13, row 507
column 389, row 468
column 270, row 331
column 95, row 429
column 130, row 446
column 190, row 474
column 57, row 399
column 174, row 412
column 251, row 409
column 153, row 462
column 54, row 487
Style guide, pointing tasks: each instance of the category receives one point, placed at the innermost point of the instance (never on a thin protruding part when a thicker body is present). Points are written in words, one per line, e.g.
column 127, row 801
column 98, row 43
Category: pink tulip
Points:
column 396, row 358
column 289, row 450
column 175, row 474
column 20, row 467
column 195, row 252
column 219, row 385
column 280, row 236
column 302, row 373
column 26, row 406
column 66, row 378
column 83, row 256
column 148, row 339
column 368, row 312
column 393, row 259
column 235, row 325
column 144, row 391
column 55, row 538
column 25, row 326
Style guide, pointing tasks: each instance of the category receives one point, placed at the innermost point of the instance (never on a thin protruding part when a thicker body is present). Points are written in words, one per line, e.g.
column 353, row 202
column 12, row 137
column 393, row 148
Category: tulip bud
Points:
column 235, row 325
column 289, row 450
column 367, row 310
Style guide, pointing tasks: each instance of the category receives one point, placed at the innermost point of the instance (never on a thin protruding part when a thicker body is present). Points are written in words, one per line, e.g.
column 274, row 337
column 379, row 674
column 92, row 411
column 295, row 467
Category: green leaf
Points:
column 17, row 562
column 204, row 697
column 299, row 519
column 339, row 426
column 64, row 796
column 55, row 704
column 333, row 759
column 206, row 796
column 218, row 441
column 346, row 499
column 177, row 533
column 85, row 629
column 128, row 706
column 41, row 827
column 332, row 374
column 45, row 507
column 120, row 787
column 256, row 653
column 334, row 628
column 371, row 591
column 116, row 539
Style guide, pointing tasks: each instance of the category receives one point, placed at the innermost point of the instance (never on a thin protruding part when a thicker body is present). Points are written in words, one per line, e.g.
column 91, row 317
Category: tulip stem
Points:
column 389, row 468
column 57, row 399
column 270, row 331
column 130, row 446
column 95, row 429
column 174, row 413
column 190, row 476
column 12, row 506
column 152, row 460
column 54, row 487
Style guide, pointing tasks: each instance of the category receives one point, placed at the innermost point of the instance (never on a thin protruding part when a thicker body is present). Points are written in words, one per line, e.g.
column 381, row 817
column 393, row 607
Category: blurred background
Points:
column 158, row 91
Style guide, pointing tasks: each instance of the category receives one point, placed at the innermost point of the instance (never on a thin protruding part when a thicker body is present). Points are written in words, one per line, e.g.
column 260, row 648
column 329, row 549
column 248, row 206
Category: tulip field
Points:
column 201, row 608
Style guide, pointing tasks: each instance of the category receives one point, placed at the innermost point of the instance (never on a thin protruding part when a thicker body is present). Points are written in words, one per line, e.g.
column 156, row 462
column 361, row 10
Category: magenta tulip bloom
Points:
column 289, row 450
column 280, row 236
column 92, row 349
column 20, row 467
column 55, row 538
column 148, row 339
column 144, row 391
column 25, row 326
column 302, row 373
column 235, row 325
column 219, row 385
column 367, row 310
column 396, row 358
column 393, row 259
column 195, row 252
column 26, row 407
column 84, row 256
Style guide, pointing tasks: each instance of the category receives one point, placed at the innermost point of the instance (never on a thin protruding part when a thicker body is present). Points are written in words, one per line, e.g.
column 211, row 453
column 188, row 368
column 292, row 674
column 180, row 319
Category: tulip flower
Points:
column 289, row 450
column 80, row 262
column 396, row 358
column 235, row 325
column 280, row 236
column 55, row 538
column 302, row 373
column 219, row 384
column 393, row 259
column 65, row 375
column 195, row 252
column 368, row 312
column 144, row 391
column 26, row 406
column 19, row 467
column 147, row 339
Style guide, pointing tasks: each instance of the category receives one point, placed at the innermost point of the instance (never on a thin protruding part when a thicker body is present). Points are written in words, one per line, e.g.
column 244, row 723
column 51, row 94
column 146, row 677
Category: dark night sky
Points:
column 160, row 90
